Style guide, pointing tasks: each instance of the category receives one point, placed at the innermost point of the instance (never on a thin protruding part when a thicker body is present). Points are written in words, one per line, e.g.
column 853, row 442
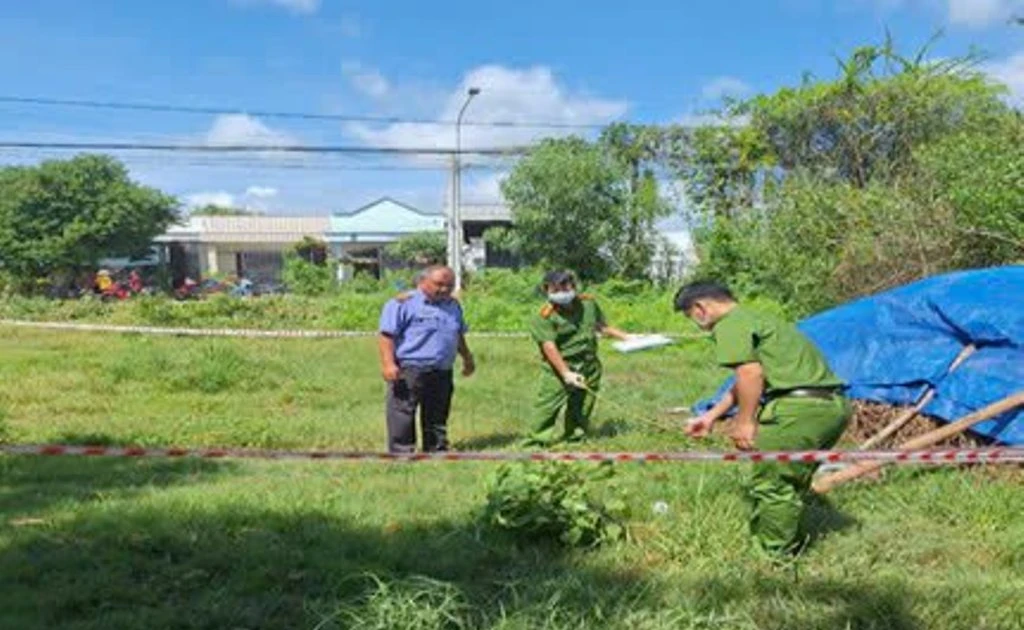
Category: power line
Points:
column 255, row 148
column 216, row 111
column 271, row 166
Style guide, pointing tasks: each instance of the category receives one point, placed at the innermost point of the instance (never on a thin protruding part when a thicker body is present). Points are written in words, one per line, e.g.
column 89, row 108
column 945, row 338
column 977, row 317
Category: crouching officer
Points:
column 804, row 407
column 420, row 333
column 566, row 331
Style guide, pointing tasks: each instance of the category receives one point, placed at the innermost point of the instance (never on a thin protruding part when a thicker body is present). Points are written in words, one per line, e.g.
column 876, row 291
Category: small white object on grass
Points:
column 660, row 507
column 642, row 342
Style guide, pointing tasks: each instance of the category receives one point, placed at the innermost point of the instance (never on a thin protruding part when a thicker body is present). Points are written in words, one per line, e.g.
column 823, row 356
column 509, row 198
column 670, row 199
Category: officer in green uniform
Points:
column 566, row 331
column 803, row 408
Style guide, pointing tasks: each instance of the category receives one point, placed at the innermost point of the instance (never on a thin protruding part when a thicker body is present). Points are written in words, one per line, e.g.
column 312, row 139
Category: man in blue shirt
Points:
column 420, row 333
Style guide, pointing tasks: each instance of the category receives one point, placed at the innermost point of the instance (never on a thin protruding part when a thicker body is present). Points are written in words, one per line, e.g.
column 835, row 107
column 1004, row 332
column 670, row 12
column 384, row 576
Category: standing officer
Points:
column 804, row 408
column 566, row 331
column 420, row 332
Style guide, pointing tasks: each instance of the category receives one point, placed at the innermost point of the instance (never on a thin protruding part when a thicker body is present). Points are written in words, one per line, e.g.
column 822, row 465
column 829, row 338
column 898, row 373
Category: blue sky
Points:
column 574, row 63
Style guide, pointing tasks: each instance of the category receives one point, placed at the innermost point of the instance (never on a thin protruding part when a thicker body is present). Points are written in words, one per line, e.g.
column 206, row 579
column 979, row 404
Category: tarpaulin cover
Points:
column 890, row 347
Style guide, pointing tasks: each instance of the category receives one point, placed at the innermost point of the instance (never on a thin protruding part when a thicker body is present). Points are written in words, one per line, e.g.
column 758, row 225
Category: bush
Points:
column 307, row 278
column 550, row 502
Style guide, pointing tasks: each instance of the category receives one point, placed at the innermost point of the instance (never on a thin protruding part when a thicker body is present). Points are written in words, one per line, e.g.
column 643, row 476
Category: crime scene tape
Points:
column 248, row 332
column 1010, row 455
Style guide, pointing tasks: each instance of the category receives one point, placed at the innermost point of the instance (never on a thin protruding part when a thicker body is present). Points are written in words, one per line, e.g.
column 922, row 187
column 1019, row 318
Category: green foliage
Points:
column 551, row 502
column 897, row 169
column 213, row 210
column 635, row 149
column 420, row 249
column 866, row 123
column 310, row 249
column 980, row 174
column 307, row 278
column 494, row 300
column 566, row 200
column 590, row 207
column 63, row 215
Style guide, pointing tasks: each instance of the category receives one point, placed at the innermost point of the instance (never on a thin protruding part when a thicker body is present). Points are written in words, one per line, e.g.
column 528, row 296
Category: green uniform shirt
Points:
column 788, row 358
column 573, row 329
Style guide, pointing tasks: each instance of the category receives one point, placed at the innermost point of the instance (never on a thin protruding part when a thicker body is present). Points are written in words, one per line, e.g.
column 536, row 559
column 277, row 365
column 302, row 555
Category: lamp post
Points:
column 456, row 237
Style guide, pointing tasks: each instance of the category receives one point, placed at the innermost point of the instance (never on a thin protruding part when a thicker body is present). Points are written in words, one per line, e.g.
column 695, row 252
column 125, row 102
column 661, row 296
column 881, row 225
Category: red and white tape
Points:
column 1012, row 455
column 246, row 332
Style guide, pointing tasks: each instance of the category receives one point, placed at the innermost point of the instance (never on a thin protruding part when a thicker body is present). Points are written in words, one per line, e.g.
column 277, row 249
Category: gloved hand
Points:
column 574, row 379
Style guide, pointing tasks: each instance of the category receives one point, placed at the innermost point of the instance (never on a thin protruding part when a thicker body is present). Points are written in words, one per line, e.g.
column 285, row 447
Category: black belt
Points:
column 821, row 393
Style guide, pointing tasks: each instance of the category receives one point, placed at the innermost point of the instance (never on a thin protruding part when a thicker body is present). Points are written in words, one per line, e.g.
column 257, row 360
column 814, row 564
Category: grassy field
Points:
column 226, row 545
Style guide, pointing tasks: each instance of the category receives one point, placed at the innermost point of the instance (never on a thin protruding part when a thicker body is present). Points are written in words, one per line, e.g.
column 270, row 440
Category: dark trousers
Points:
column 431, row 391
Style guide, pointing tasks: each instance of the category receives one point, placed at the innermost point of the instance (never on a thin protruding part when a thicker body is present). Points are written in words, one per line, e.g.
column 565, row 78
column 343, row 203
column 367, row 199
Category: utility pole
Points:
column 450, row 232
column 455, row 252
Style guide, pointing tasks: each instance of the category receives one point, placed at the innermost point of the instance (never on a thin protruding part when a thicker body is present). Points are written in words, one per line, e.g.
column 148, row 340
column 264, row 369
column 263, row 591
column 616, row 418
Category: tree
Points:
column 566, row 199
column 896, row 169
column 635, row 149
column 419, row 249
column 64, row 215
column 213, row 210
column 310, row 249
column 306, row 269
column 980, row 175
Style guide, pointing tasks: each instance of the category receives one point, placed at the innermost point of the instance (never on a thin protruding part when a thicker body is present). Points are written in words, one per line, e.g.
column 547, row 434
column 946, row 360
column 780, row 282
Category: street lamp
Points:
column 455, row 252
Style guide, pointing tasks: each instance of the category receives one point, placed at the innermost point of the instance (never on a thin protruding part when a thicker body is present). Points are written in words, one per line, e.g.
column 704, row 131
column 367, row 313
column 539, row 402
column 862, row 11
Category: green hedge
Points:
column 499, row 300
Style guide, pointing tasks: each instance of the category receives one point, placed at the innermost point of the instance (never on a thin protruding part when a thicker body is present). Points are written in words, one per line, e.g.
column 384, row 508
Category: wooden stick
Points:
column 909, row 414
column 823, row 485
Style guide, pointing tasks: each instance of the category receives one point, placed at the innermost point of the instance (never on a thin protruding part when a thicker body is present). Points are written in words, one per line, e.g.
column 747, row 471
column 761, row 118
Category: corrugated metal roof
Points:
column 385, row 216
column 248, row 229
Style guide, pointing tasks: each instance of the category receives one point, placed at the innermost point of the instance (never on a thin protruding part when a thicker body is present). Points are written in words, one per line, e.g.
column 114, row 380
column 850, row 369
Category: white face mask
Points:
column 562, row 297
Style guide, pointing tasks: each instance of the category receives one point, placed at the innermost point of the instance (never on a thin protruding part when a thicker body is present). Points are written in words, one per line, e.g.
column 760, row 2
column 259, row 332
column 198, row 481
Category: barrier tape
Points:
column 249, row 332
column 1010, row 455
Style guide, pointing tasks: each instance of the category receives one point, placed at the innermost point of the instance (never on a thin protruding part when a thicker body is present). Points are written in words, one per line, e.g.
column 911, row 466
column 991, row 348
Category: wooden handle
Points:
column 823, row 485
column 909, row 414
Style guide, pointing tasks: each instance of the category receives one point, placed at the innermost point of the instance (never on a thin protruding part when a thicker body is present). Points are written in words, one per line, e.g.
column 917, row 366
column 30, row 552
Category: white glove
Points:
column 575, row 379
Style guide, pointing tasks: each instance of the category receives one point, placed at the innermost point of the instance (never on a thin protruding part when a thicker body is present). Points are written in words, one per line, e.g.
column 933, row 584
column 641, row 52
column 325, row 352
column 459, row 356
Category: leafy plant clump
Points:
column 550, row 501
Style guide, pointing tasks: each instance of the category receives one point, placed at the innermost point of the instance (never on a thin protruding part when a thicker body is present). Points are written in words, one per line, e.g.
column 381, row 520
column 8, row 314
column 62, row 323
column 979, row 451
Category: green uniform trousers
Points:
column 553, row 395
column 777, row 491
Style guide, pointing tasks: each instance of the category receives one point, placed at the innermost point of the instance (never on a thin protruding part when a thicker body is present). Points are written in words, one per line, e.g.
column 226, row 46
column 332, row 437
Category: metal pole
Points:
column 457, row 192
column 451, row 218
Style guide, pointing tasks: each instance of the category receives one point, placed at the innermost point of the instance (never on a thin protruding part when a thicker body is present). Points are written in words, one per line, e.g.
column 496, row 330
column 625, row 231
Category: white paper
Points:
column 642, row 342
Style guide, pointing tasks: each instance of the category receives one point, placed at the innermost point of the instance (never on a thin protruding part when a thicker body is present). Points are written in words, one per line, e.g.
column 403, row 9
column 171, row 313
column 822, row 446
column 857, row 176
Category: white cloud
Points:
column 979, row 13
column 261, row 192
column 516, row 95
column 368, row 81
column 969, row 13
column 218, row 198
column 1011, row 73
column 482, row 190
column 297, row 6
column 242, row 129
column 722, row 87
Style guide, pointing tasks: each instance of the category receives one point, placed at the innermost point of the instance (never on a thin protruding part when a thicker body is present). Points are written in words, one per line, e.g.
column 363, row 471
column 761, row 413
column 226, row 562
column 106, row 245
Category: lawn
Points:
column 162, row 544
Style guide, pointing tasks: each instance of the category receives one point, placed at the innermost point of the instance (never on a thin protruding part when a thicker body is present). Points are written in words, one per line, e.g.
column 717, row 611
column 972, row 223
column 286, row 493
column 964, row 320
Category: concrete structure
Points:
column 357, row 238
column 249, row 246
column 477, row 219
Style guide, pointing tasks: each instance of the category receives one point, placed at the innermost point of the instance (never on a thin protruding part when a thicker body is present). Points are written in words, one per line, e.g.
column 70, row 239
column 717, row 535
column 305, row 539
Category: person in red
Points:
column 135, row 281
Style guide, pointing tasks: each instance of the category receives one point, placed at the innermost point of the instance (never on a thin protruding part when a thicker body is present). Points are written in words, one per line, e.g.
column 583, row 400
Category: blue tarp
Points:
column 890, row 347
